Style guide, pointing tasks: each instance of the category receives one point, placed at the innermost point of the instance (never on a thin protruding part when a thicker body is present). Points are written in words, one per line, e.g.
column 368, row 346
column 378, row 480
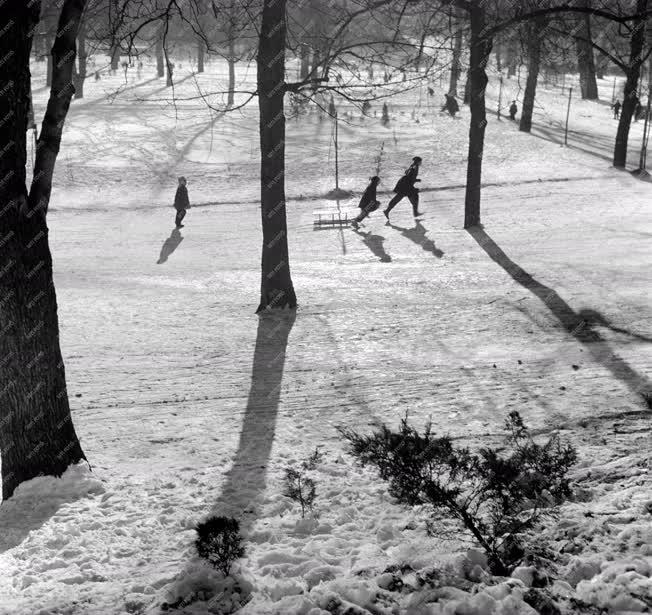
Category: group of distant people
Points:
column 639, row 111
column 405, row 187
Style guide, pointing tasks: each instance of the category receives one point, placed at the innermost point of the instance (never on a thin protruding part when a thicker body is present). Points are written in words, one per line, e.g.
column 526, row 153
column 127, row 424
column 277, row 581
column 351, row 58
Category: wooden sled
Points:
column 330, row 218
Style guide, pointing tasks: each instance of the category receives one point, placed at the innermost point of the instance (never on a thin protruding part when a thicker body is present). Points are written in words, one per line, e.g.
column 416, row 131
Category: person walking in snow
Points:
column 405, row 188
column 181, row 202
column 616, row 107
column 368, row 202
column 513, row 110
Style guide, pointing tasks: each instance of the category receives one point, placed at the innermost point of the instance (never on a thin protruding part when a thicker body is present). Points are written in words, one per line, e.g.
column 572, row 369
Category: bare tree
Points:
column 37, row 435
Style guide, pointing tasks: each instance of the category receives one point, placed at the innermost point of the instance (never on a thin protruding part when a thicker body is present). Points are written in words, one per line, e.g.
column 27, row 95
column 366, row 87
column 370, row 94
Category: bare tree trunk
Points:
column 499, row 58
column 200, row 55
column 231, row 60
column 169, row 82
column 37, row 436
column 480, row 52
column 511, row 57
column 276, row 289
column 80, row 74
column 456, row 64
column 48, row 68
column 637, row 42
column 534, row 32
column 115, row 56
column 305, row 62
column 160, row 59
column 585, row 58
column 467, row 88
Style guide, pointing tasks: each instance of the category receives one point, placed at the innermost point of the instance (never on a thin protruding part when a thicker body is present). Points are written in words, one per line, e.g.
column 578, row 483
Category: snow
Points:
column 182, row 413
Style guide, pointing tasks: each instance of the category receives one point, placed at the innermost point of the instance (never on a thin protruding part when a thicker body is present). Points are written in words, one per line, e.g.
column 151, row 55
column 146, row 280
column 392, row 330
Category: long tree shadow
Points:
column 375, row 244
column 246, row 480
column 169, row 245
column 418, row 236
column 572, row 321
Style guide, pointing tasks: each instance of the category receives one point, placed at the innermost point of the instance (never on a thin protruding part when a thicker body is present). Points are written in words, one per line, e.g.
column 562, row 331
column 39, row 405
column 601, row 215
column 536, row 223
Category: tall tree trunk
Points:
column 231, row 60
column 200, row 55
column 467, row 88
column 585, row 57
column 456, row 63
column 499, row 58
column 169, row 81
column 305, row 62
column 276, row 289
column 37, row 436
column 160, row 59
column 534, row 31
column 80, row 73
column 115, row 56
column 48, row 68
column 512, row 54
column 633, row 72
column 480, row 51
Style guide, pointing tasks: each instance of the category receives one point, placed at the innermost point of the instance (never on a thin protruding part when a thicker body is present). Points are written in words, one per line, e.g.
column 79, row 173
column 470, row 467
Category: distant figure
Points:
column 368, row 202
column 97, row 76
column 616, row 107
column 405, row 188
column 431, row 92
column 181, row 202
column 638, row 110
column 451, row 105
column 513, row 110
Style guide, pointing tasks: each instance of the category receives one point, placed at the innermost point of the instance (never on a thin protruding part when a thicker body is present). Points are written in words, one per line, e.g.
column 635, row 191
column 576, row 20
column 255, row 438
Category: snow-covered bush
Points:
column 300, row 487
column 498, row 496
column 219, row 542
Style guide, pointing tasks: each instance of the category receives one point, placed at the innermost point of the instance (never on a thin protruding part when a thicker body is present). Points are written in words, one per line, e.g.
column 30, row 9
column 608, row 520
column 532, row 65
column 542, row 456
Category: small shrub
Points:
column 300, row 487
column 219, row 542
column 496, row 496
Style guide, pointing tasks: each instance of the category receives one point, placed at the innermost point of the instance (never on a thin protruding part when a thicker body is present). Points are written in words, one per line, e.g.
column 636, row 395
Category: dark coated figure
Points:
column 368, row 202
column 405, row 188
column 181, row 202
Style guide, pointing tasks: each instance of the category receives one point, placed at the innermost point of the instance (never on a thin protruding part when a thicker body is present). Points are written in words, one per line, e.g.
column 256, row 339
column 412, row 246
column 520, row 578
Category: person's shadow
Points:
column 375, row 244
column 169, row 245
column 418, row 236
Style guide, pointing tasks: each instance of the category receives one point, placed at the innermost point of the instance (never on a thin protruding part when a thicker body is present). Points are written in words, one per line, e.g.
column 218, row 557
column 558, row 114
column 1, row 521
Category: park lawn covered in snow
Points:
column 188, row 405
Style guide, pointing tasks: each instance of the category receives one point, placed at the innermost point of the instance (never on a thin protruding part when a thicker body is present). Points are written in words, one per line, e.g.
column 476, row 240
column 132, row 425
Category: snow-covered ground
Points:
column 188, row 405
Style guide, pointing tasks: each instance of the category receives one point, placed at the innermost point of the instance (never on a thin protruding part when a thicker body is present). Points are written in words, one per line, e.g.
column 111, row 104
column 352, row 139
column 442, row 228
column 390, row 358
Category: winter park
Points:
column 325, row 308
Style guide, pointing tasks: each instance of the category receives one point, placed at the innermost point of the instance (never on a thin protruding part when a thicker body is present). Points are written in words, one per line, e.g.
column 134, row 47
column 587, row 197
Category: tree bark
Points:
column 467, row 88
column 276, row 289
column 480, row 52
column 585, row 57
column 305, row 62
column 456, row 63
column 80, row 73
column 37, row 436
column 115, row 56
column 534, row 32
column 231, row 60
column 200, row 55
column 633, row 72
column 160, row 59
column 48, row 68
